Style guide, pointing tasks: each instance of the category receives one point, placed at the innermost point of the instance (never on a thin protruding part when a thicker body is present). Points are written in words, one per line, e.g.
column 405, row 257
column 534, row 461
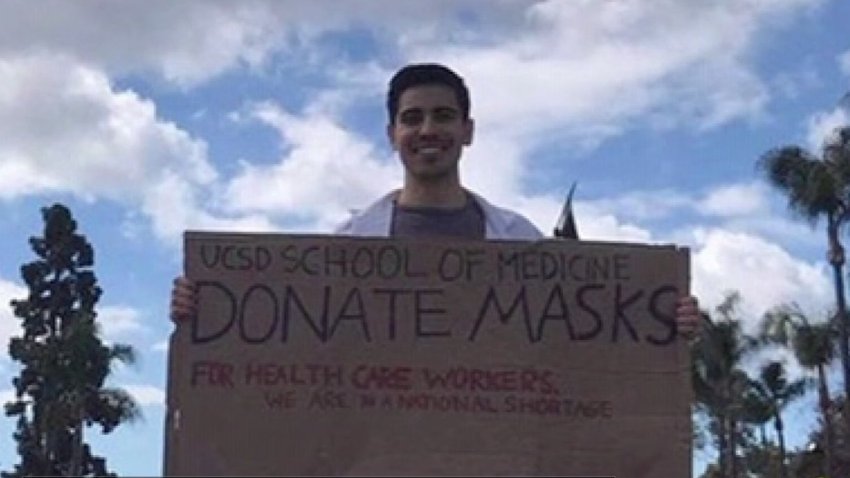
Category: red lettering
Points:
column 370, row 377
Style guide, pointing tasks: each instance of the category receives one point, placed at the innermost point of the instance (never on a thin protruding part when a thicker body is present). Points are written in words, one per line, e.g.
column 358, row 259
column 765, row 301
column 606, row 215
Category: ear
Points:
column 469, row 131
column 391, row 136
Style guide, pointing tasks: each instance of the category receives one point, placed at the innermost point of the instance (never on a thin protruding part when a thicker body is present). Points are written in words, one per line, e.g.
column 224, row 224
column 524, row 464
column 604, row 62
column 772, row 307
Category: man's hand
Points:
column 184, row 300
column 688, row 318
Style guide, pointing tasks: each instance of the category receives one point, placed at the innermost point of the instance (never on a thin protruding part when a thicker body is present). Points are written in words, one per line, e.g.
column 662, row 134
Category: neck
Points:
column 449, row 194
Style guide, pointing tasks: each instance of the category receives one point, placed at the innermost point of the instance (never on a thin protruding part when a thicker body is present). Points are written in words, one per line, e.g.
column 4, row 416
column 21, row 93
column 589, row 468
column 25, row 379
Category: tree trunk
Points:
column 828, row 428
column 733, row 447
column 76, row 468
column 836, row 259
column 780, row 435
column 723, row 444
column 40, row 438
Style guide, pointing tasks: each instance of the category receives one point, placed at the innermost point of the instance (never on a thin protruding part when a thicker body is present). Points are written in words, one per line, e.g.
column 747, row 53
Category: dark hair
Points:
column 426, row 74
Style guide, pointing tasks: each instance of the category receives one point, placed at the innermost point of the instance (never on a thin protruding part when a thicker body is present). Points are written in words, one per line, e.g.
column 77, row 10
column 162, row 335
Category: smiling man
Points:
column 429, row 125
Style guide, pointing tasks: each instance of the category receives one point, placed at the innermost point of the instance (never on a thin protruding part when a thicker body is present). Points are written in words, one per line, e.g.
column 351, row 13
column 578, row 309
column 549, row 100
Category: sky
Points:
column 151, row 117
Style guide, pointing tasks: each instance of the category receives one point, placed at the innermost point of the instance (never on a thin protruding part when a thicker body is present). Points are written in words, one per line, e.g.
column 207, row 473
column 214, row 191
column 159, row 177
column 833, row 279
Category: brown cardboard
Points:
column 409, row 369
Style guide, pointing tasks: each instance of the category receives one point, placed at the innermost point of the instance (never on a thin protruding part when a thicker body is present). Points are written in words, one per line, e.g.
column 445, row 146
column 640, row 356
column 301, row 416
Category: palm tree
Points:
column 774, row 392
column 814, row 349
column 761, row 457
column 819, row 187
column 720, row 383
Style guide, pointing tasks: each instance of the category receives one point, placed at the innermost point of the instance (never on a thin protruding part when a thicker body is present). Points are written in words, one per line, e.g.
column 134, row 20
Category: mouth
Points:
column 429, row 150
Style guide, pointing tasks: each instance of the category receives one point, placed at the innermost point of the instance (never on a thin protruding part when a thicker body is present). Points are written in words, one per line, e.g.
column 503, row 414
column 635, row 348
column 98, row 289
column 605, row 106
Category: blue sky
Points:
column 151, row 117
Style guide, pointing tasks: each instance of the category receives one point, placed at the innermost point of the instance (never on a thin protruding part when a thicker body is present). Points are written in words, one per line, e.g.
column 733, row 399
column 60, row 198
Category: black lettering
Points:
column 519, row 302
column 408, row 269
column 319, row 328
column 392, row 293
column 369, row 263
column 304, row 262
column 289, row 256
column 226, row 258
column 211, row 260
column 473, row 259
column 244, row 255
column 201, row 286
column 657, row 313
column 621, row 267
column 243, row 333
column 576, row 267
column 549, row 266
column 530, row 266
column 555, row 301
column 339, row 261
column 457, row 259
column 389, row 255
column 599, row 268
column 421, row 311
column 507, row 260
column 358, row 314
column 593, row 313
column 263, row 258
column 620, row 313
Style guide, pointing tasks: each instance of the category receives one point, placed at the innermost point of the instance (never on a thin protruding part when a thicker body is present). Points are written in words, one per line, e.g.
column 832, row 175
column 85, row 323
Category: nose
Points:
column 428, row 126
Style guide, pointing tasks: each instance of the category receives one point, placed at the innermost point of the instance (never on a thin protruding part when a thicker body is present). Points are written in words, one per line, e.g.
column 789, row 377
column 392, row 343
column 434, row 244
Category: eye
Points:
column 411, row 117
column 445, row 115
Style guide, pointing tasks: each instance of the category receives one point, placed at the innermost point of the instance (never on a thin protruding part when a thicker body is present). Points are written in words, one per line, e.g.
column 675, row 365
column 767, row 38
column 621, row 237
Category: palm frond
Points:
column 808, row 183
column 123, row 353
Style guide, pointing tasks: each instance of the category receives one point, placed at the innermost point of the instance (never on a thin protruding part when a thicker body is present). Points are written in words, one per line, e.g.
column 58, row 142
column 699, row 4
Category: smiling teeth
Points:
column 429, row 150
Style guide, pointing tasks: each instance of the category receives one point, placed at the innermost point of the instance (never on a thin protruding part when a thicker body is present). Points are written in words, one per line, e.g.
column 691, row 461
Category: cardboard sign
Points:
column 321, row 355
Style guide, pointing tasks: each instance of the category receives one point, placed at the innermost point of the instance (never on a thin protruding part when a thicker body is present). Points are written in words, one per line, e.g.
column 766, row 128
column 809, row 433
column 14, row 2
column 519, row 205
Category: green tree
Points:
column 813, row 345
column 770, row 394
column 720, row 384
column 762, row 460
column 64, row 364
column 818, row 187
column 841, row 436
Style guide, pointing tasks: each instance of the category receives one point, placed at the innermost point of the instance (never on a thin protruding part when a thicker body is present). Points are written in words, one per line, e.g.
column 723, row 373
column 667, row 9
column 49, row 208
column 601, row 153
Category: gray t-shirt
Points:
column 466, row 222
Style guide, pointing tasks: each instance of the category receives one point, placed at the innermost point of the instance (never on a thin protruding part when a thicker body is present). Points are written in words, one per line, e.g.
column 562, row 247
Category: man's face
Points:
column 429, row 132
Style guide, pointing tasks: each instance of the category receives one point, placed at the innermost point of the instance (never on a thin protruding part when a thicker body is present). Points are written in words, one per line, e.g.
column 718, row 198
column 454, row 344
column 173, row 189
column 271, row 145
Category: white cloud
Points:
column 191, row 41
column 607, row 227
column 577, row 71
column 325, row 172
column 184, row 42
column 735, row 200
column 793, row 84
column 844, row 62
column 821, row 126
column 175, row 205
column 120, row 322
column 591, row 68
column 161, row 346
column 598, row 220
column 65, row 128
column 764, row 273
column 783, row 229
column 146, row 395
column 641, row 205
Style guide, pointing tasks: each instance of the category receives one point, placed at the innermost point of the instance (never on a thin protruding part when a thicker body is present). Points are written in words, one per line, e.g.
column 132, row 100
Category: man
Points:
column 429, row 125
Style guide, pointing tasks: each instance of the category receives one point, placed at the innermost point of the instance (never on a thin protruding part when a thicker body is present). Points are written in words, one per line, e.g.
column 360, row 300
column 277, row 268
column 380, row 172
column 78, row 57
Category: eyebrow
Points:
column 438, row 109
